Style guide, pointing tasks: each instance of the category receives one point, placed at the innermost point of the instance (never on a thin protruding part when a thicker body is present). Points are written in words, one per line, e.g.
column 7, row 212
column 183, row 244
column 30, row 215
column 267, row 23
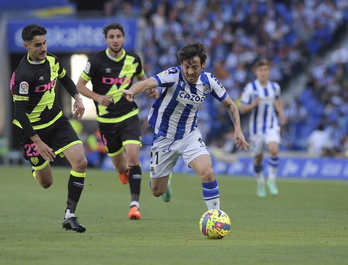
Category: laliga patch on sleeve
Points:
column 24, row 88
column 87, row 67
column 165, row 72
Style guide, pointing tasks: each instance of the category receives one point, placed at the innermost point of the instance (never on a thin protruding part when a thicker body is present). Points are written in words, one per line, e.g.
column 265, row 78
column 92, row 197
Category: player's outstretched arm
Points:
column 152, row 92
column 139, row 87
column 232, row 110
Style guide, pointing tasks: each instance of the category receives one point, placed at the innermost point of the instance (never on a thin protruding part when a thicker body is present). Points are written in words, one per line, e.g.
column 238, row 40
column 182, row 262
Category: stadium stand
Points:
column 291, row 34
column 295, row 35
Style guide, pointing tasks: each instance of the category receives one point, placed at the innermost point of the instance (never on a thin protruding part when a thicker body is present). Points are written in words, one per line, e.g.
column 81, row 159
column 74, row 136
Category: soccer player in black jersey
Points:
column 46, row 131
column 111, row 71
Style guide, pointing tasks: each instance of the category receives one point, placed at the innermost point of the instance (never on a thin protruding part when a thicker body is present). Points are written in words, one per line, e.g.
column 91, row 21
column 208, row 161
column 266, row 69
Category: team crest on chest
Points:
column 54, row 68
column 206, row 89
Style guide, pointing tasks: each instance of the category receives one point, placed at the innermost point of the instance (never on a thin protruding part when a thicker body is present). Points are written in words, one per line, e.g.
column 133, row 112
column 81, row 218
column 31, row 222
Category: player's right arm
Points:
column 249, row 107
column 104, row 100
column 248, row 100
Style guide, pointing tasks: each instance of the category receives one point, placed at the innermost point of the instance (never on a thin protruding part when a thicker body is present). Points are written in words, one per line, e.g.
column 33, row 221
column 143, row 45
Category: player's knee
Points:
column 157, row 192
column 81, row 164
column 207, row 174
column 133, row 160
column 46, row 184
column 273, row 152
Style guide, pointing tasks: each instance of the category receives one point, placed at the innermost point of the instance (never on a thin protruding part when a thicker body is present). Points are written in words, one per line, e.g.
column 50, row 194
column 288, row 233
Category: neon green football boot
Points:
column 272, row 187
column 167, row 196
column 261, row 190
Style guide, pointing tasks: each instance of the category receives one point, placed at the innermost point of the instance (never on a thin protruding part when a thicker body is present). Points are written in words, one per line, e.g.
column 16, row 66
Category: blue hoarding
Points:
column 323, row 168
column 72, row 35
column 306, row 168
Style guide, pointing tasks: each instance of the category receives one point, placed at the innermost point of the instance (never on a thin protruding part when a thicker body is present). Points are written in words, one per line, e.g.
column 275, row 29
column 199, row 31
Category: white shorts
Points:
column 165, row 153
column 258, row 141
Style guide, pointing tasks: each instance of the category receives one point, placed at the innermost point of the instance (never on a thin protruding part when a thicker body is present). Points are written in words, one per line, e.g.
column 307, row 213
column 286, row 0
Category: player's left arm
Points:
column 278, row 104
column 139, row 87
column 70, row 87
column 233, row 112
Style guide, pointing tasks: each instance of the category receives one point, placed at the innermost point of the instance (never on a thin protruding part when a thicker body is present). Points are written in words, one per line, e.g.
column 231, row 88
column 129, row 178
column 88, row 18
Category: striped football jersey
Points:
column 263, row 117
column 174, row 114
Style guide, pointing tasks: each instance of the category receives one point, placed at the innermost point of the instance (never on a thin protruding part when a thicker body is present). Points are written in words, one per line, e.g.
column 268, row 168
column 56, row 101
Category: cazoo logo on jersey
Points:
column 183, row 96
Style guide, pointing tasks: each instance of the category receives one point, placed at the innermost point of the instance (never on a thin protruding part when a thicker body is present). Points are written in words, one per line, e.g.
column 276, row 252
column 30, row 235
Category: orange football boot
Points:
column 124, row 177
column 134, row 213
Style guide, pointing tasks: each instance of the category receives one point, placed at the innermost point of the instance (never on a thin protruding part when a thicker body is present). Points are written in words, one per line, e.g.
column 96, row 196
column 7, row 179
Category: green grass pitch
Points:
column 307, row 223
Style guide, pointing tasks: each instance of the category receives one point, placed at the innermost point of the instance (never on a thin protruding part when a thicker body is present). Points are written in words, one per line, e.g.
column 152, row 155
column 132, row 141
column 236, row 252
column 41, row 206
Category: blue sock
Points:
column 211, row 194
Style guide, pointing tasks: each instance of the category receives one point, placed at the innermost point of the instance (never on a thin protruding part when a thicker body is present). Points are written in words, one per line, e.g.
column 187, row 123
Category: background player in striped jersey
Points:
column 47, row 132
column 262, row 98
column 174, row 118
column 111, row 71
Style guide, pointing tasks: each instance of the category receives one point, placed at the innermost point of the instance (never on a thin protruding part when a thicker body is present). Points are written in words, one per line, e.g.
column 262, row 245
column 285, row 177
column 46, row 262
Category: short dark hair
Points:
column 262, row 62
column 189, row 51
column 32, row 30
column 114, row 25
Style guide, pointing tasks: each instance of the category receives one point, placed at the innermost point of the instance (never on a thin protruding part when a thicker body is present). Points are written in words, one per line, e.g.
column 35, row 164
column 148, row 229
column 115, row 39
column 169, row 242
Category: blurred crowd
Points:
column 292, row 34
column 237, row 33
column 318, row 118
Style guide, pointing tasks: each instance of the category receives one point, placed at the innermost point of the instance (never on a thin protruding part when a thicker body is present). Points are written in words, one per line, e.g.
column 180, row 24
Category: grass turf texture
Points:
column 307, row 223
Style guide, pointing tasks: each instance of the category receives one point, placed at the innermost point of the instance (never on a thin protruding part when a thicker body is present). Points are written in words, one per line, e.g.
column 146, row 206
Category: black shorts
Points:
column 59, row 136
column 120, row 134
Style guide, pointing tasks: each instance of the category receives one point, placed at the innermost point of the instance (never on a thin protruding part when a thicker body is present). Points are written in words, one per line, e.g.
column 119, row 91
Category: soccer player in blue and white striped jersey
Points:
column 174, row 118
column 262, row 98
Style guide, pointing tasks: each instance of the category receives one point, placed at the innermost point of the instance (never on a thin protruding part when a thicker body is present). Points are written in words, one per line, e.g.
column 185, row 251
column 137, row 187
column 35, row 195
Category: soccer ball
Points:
column 215, row 224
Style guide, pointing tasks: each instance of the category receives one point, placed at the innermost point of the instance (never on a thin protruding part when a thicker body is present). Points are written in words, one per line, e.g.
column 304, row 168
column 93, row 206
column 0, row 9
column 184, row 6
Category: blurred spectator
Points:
column 238, row 33
column 95, row 149
column 318, row 142
column 339, row 55
column 336, row 138
column 344, row 153
column 221, row 73
column 296, row 115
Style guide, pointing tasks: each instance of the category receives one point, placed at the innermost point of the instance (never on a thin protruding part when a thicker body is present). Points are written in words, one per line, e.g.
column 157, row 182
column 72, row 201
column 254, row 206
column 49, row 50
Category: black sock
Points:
column 134, row 182
column 75, row 187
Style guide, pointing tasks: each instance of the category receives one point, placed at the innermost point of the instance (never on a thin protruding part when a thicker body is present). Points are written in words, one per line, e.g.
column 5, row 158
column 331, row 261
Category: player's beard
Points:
column 38, row 56
column 116, row 51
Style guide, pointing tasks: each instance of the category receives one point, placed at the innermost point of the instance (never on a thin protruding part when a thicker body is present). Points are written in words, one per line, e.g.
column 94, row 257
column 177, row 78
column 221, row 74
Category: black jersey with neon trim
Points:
column 33, row 90
column 109, row 77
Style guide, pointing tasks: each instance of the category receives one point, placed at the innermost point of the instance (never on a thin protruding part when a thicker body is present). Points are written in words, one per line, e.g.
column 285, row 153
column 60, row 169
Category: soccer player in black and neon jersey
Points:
column 46, row 131
column 111, row 71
